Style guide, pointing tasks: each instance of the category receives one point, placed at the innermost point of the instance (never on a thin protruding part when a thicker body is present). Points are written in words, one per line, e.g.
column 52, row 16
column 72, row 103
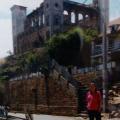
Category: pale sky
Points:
column 5, row 19
column 6, row 23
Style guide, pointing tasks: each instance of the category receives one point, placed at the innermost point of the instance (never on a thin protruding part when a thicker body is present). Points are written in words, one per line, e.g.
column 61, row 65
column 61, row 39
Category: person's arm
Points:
column 86, row 100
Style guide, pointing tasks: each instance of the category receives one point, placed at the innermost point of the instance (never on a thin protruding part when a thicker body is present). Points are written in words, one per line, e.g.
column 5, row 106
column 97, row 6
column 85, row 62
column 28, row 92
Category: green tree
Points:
column 65, row 48
column 68, row 48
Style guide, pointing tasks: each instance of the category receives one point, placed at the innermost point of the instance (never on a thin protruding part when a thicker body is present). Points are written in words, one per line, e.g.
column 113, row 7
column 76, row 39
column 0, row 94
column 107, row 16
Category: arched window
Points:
column 43, row 19
column 57, row 20
column 56, row 5
column 39, row 20
column 80, row 17
column 32, row 23
column 65, row 12
column 47, row 5
column 86, row 16
column 72, row 17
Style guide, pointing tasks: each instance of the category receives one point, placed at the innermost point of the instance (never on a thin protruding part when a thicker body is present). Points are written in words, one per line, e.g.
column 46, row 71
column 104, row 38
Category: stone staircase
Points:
column 78, row 84
column 63, row 94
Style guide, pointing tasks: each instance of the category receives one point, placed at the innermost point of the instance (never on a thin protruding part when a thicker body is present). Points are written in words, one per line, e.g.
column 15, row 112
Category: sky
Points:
column 6, row 23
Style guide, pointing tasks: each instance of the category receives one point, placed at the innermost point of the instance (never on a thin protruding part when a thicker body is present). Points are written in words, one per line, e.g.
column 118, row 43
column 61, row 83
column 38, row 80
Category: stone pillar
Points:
column 69, row 17
column 41, row 20
column 84, row 19
column 37, row 20
column 92, row 52
column 76, row 17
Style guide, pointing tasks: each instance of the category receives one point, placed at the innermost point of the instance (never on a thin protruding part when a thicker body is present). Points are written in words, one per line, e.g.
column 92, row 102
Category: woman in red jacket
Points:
column 94, row 102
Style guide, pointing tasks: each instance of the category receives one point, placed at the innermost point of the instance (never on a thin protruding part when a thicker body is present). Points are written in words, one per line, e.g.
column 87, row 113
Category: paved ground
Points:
column 50, row 117
column 44, row 117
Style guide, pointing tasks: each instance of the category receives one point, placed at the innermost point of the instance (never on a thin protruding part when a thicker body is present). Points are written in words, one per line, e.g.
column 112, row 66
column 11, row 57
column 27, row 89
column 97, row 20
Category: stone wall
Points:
column 46, row 96
column 85, row 78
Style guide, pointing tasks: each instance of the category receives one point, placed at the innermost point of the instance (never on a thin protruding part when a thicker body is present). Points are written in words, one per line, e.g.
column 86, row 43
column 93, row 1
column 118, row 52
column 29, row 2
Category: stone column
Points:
column 37, row 20
column 84, row 19
column 76, row 17
column 92, row 52
column 41, row 20
column 69, row 17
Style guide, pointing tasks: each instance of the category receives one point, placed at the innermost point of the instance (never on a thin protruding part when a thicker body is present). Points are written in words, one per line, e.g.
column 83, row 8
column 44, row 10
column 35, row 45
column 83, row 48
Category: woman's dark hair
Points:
column 94, row 85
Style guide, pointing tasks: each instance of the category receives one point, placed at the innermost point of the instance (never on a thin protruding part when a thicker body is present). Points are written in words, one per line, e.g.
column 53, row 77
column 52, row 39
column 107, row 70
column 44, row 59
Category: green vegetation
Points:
column 23, row 64
column 65, row 48
column 69, row 49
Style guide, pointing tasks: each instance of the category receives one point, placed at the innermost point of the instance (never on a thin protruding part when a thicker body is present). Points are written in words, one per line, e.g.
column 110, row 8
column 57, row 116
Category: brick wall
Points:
column 55, row 97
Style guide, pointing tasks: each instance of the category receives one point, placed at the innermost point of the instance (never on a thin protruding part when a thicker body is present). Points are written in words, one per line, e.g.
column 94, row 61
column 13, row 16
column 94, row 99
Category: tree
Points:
column 32, row 62
column 67, row 49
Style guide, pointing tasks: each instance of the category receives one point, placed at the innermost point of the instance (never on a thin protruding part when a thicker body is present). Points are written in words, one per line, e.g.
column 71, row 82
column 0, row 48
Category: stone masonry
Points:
column 52, row 17
column 52, row 96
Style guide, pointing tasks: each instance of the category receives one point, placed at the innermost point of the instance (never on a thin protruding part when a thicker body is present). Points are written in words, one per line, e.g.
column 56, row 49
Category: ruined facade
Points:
column 113, row 52
column 53, row 16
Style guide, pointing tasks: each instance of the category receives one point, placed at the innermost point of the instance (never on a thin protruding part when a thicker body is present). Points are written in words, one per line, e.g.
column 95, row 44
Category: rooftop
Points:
column 17, row 6
column 115, row 22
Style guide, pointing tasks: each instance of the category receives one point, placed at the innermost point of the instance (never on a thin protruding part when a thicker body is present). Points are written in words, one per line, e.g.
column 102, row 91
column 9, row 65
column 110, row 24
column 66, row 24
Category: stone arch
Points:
column 39, row 21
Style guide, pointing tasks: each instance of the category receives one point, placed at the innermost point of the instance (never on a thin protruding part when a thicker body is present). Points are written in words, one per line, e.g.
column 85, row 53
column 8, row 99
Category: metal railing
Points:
column 111, row 48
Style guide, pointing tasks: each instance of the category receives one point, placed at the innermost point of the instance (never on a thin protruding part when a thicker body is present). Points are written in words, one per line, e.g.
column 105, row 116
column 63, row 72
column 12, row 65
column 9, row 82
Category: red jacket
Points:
column 93, row 101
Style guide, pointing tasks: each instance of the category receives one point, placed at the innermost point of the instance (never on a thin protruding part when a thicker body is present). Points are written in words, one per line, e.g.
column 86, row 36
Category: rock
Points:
column 111, row 93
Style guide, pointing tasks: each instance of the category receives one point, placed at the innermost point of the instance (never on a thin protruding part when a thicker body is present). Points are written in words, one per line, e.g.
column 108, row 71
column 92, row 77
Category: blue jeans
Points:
column 94, row 115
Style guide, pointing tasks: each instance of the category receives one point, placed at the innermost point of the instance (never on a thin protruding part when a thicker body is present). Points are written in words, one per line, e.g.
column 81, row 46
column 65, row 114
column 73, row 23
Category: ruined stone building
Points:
column 32, row 30
column 53, row 16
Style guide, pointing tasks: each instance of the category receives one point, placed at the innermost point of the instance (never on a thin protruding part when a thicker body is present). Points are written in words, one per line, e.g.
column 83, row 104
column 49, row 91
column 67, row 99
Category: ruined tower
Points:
column 53, row 10
column 95, row 3
column 18, row 18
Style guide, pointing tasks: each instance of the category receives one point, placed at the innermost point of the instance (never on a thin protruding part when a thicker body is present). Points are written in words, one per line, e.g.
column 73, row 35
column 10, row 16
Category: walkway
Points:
column 18, row 116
